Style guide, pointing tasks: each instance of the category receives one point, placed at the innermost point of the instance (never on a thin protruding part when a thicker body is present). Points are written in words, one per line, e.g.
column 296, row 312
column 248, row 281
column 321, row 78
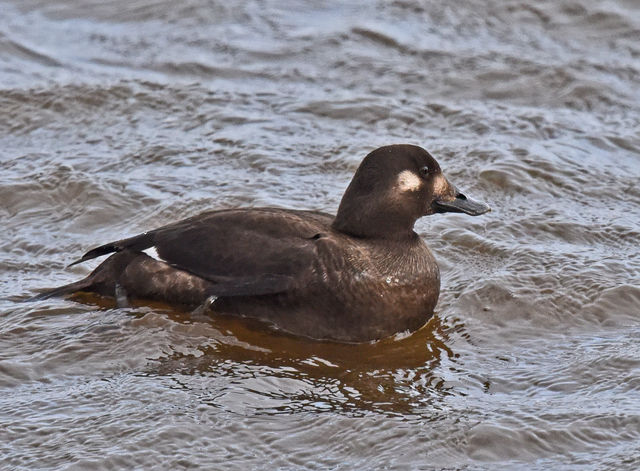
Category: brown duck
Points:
column 361, row 275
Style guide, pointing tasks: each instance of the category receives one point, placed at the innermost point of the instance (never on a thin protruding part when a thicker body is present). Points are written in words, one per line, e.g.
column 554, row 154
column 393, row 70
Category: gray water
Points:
column 120, row 116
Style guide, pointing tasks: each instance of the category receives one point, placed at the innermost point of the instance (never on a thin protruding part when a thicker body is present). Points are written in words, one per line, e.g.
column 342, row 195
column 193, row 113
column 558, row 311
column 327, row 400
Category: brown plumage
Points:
column 362, row 275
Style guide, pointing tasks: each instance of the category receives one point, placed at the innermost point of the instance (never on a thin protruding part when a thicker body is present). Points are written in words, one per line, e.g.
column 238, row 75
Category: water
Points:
column 118, row 117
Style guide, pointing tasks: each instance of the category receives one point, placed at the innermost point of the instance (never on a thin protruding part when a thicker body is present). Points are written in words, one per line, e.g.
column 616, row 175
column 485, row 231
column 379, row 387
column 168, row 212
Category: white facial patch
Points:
column 440, row 185
column 408, row 181
column 153, row 253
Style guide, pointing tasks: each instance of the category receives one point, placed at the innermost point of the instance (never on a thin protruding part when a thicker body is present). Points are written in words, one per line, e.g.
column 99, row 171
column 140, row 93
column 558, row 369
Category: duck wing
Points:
column 244, row 252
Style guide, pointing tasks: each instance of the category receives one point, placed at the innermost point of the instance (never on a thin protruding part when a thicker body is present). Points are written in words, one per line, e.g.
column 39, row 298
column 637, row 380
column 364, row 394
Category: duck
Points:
column 359, row 276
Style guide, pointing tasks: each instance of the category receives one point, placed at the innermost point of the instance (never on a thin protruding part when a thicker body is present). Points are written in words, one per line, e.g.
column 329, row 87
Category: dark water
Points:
column 118, row 116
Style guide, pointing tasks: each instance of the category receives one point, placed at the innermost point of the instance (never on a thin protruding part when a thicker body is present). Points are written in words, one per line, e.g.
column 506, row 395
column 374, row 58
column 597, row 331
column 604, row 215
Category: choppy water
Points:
column 118, row 116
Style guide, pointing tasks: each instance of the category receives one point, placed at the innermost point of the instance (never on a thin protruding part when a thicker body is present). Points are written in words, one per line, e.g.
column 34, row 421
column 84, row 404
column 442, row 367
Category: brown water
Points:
column 119, row 116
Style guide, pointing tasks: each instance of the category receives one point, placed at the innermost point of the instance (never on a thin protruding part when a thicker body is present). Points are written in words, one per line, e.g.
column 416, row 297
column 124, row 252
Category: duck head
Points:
column 392, row 188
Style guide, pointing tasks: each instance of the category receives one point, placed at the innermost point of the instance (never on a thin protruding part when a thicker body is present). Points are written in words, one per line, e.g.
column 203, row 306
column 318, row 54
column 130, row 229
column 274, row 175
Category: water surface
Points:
column 118, row 117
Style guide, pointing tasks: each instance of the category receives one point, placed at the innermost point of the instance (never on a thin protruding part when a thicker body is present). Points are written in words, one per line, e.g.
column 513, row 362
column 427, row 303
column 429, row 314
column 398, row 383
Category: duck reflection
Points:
column 394, row 375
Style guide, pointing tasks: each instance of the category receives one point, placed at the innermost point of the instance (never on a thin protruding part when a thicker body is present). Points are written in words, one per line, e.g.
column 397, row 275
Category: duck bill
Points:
column 460, row 204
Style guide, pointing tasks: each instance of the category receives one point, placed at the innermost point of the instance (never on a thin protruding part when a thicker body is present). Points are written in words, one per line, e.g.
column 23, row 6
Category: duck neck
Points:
column 372, row 225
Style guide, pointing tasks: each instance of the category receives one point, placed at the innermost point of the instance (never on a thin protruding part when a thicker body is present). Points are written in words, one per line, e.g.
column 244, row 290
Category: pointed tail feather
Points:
column 102, row 280
column 135, row 243
column 71, row 288
column 97, row 252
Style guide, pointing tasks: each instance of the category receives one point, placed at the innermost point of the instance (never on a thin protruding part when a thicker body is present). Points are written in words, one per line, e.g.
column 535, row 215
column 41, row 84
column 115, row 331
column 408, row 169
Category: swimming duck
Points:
column 359, row 276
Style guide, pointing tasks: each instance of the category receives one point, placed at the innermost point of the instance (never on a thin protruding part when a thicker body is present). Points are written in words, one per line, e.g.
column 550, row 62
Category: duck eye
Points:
column 424, row 171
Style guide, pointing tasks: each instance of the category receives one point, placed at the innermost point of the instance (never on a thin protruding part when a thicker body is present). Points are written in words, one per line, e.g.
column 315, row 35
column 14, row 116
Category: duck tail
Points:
column 82, row 285
column 102, row 280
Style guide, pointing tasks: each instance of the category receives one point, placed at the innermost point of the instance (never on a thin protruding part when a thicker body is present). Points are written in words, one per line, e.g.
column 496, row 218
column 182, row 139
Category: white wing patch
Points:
column 153, row 253
column 408, row 181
